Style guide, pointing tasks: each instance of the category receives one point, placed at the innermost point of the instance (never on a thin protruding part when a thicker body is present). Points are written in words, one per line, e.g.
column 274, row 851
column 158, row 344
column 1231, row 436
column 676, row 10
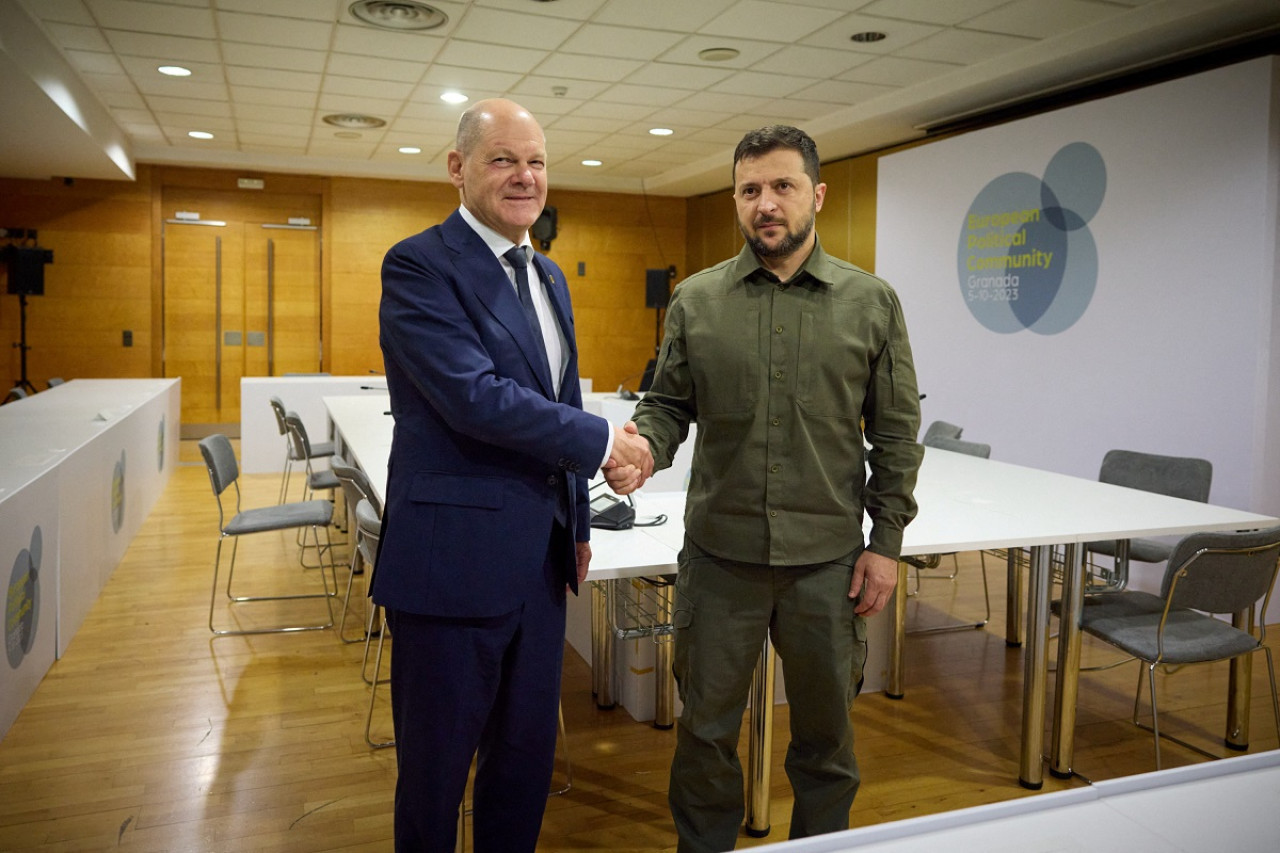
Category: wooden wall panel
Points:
column 98, row 286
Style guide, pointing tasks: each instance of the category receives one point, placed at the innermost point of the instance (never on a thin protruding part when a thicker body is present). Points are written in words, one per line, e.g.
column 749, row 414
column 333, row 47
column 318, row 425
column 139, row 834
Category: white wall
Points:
column 1175, row 352
column 1177, row 348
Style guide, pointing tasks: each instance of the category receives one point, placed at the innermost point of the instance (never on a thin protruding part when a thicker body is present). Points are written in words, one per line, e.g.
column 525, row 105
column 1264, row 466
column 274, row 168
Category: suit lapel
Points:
column 558, row 293
column 484, row 275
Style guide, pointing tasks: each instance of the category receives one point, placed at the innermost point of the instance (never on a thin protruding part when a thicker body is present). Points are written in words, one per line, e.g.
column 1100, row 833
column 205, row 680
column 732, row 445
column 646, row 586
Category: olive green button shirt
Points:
column 778, row 376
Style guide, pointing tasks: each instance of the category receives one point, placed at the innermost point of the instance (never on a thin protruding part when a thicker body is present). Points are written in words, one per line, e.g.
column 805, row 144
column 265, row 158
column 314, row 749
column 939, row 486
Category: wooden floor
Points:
column 151, row 735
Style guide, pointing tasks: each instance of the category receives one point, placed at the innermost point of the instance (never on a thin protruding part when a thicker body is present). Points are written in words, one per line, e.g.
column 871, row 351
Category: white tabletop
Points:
column 966, row 504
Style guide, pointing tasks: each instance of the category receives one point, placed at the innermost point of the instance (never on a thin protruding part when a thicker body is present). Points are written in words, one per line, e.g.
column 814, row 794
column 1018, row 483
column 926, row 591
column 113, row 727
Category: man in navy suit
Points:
column 486, row 521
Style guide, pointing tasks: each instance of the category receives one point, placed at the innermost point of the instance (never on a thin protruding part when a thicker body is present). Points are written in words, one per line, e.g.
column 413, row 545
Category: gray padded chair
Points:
column 220, row 460
column 319, row 450
column 946, row 438
column 1207, row 573
column 369, row 531
column 356, row 488
column 1176, row 476
column 941, row 429
column 323, row 480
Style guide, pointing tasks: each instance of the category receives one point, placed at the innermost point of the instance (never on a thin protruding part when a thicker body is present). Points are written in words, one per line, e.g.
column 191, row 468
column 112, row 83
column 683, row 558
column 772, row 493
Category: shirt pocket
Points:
column 837, row 349
column 724, row 355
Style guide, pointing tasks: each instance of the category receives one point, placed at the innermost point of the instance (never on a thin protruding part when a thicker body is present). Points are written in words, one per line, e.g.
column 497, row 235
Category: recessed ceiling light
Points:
column 867, row 37
column 356, row 121
column 398, row 14
column 409, row 149
column 718, row 54
column 661, row 131
column 200, row 134
column 593, row 162
column 174, row 71
column 453, row 97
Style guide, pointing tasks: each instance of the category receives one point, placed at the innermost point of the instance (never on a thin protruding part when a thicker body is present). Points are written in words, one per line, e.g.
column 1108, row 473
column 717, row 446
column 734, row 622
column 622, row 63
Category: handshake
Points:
column 630, row 462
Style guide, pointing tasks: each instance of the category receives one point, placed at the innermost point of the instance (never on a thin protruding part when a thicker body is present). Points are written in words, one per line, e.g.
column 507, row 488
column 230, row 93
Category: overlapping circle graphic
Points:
column 1026, row 257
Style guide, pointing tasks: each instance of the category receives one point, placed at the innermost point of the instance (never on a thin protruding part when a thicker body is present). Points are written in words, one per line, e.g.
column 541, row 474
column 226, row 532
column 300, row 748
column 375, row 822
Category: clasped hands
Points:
column 630, row 462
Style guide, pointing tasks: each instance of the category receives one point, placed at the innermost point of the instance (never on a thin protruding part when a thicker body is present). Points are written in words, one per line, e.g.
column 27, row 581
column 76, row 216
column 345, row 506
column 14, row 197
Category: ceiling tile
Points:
column 185, row 106
column 319, row 10
column 472, row 54
column 248, row 113
column 653, row 96
column 383, row 108
column 298, row 81
column 179, row 87
column 280, row 129
column 613, row 110
column 146, row 18
column 783, row 22
column 264, row 29
column 374, row 68
column 1043, row 18
column 607, row 41
column 76, row 37
column 812, row 61
column 578, row 10
column 382, row 89
column 841, row 92
column 678, row 76
column 721, row 102
column 439, row 78
column 366, row 41
column 578, row 90
column 172, row 49
column 942, row 12
column 504, row 27
column 963, row 47
column 897, row 71
column 66, row 11
column 764, row 85
column 575, row 66
column 264, row 95
column 93, row 62
column 262, row 56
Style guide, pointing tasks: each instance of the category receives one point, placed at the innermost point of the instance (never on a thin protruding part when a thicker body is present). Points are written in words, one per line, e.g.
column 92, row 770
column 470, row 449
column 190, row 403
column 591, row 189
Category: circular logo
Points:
column 117, row 495
column 1026, row 258
column 22, row 604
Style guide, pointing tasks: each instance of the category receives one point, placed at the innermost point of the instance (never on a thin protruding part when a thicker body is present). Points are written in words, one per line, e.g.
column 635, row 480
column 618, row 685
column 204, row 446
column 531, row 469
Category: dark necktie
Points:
column 520, row 263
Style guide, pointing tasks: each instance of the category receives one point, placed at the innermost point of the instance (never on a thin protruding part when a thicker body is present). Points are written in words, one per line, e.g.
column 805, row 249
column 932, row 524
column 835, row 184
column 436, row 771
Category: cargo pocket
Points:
column 859, row 658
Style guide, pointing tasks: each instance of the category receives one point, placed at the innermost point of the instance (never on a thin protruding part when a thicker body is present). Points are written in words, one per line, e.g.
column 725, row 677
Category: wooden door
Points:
column 204, row 318
column 241, row 296
column 282, row 274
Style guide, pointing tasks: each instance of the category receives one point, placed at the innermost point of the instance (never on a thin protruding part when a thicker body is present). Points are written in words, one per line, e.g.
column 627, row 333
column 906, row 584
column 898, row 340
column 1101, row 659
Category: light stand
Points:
column 24, row 382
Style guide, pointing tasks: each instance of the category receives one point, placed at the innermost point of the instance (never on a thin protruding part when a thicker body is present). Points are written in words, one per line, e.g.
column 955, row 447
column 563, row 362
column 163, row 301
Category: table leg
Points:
column 1068, row 684
column 1239, row 689
column 1036, row 668
column 1013, row 600
column 760, row 744
column 664, row 679
column 897, row 636
column 601, row 646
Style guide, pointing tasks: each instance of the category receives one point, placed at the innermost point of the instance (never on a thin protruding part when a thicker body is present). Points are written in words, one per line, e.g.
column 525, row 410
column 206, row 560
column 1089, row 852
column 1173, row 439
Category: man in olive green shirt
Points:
column 780, row 355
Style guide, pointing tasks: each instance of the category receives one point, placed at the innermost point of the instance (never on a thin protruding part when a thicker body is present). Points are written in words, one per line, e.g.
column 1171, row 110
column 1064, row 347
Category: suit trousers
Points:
column 487, row 687
column 723, row 611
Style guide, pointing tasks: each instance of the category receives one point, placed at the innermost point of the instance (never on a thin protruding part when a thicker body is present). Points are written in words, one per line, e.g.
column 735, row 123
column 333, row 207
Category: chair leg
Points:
column 568, row 765
column 373, row 695
column 960, row 626
column 1155, row 710
column 240, row 599
column 356, row 560
column 1275, row 701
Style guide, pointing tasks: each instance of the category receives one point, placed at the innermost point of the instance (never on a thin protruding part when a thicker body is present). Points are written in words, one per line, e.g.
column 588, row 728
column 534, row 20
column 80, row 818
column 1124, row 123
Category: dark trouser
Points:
column 723, row 611
column 462, row 685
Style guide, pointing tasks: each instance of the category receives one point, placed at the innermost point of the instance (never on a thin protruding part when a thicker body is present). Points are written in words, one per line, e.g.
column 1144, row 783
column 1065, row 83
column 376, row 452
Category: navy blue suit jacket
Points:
column 482, row 447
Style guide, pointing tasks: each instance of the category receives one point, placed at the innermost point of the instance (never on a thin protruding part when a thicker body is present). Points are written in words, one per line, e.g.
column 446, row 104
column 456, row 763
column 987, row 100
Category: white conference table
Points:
column 966, row 503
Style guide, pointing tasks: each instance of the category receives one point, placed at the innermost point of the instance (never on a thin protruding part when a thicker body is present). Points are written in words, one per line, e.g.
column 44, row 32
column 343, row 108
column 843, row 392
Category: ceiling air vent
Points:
column 398, row 14
column 354, row 121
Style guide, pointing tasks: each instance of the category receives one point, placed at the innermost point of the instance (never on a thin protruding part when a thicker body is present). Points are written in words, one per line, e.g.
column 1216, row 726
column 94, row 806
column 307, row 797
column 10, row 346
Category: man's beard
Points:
column 787, row 246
